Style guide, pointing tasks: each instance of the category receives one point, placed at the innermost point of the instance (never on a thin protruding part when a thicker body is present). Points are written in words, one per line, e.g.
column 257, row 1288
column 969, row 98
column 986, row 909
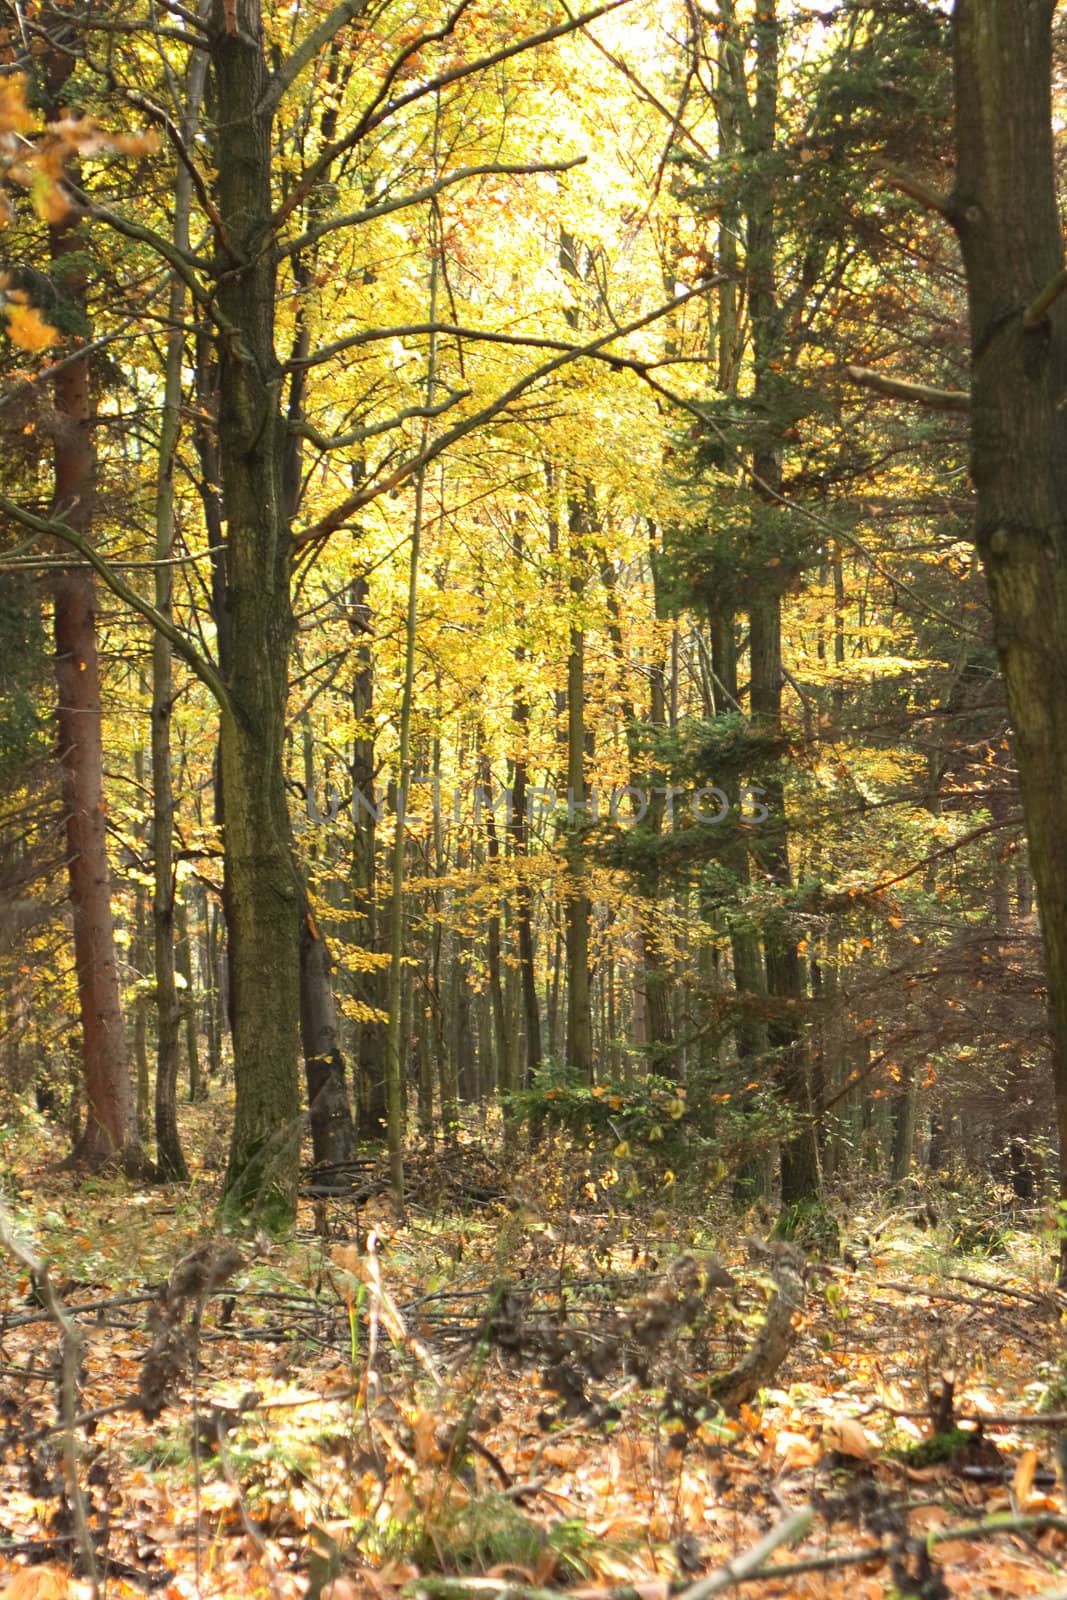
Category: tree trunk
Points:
column 1005, row 212
column 577, row 906
column 333, row 1137
column 183, row 963
column 169, row 1157
column 109, row 1131
column 520, row 836
column 370, row 1040
column 262, row 895
column 785, row 973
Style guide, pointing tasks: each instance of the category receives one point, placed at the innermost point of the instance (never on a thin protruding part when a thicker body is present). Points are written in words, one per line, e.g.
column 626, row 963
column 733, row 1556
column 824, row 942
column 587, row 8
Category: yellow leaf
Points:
column 28, row 329
column 15, row 116
column 49, row 201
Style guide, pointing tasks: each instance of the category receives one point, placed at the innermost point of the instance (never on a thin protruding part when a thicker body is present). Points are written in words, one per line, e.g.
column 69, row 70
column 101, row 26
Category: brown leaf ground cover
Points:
column 507, row 1393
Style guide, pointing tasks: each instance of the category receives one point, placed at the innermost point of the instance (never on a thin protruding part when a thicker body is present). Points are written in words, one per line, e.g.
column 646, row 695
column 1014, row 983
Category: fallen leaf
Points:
column 846, row 1436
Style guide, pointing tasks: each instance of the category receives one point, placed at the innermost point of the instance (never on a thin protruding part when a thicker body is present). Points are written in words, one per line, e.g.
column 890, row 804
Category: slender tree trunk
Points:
column 577, row 906
column 520, row 834
column 109, row 1132
column 169, row 1157
column 183, row 963
column 333, row 1136
column 508, row 1080
column 370, row 1041
column 141, row 956
column 785, row 972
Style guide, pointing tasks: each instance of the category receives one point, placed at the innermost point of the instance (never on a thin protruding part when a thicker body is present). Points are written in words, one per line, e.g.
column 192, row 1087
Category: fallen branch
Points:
column 772, row 1344
column 788, row 1531
column 739, row 1570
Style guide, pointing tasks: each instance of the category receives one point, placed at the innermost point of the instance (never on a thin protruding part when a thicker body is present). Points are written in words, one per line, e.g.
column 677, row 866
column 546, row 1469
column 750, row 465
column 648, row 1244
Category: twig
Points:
column 72, row 1346
column 1047, row 1300
column 787, row 1531
column 994, row 1419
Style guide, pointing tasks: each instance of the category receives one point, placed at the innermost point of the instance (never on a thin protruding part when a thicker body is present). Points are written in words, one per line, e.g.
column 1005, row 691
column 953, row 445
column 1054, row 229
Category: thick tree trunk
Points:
column 1005, row 212
column 262, row 892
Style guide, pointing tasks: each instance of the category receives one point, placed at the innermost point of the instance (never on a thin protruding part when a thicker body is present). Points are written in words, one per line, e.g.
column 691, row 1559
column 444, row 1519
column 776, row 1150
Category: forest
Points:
column 533, row 895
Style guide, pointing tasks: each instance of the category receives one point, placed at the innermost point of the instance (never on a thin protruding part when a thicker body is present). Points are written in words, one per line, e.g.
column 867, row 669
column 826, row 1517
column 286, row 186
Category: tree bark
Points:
column 1004, row 210
column 577, row 906
column 262, row 897
column 333, row 1136
column 370, row 1041
column 109, row 1131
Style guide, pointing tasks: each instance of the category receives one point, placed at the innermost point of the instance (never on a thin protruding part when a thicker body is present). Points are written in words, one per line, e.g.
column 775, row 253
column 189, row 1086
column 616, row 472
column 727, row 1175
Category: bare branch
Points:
column 920, row 393
column 1036, row 311
column 340, row 514
column 916, row 189
column 339, row 16
column 52, row 528
column 157, row 114
column 72, row 1344
column 342, row 441
column 353, row 219
column 646, row 93
column 185, row 264
column 306, row 52
column 455, row 330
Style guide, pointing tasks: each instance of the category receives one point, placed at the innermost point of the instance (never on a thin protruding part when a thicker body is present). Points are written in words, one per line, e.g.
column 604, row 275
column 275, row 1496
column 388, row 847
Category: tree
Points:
column 1004, row 210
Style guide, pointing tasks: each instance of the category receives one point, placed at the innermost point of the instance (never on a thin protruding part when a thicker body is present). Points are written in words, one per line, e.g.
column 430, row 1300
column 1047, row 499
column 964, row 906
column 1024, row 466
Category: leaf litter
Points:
column 500, row 1398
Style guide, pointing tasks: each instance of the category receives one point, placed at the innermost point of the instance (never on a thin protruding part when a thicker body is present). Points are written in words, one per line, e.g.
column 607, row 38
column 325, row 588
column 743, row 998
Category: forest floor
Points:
column 504, row 1393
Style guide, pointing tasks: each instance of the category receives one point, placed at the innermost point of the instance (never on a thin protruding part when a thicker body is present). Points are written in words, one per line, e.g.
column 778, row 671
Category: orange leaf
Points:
column 28, row 329
column 1023, row 1480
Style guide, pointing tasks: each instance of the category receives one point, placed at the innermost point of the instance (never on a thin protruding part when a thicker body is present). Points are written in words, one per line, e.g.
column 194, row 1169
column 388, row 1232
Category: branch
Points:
column 788, row 1531
column 920, row 393
column 456, row 330
column 742, row 1567
column 184, row 264
column 377, row 112
column 353, row 219
column 157, row 114
column 916, row 189
column 342, row 441
column 340, row 514
column 47, row 527
column 305, row 53
column 1034, row 315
